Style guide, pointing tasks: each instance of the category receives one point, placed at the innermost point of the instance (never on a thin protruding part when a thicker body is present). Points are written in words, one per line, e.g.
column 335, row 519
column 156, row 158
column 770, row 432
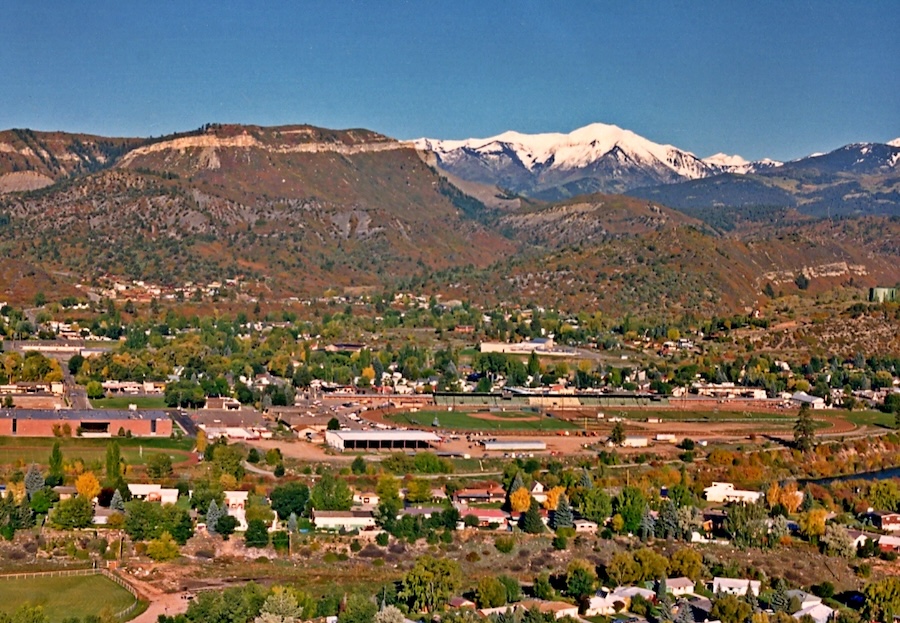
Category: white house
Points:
column 607, row 602
column 538, row 492
column 153, row 493
column 365, row 498
column 734, row 586
column 635, row 442
column 819, row 612
column 236, row 503
column 585, row 526
column 725, row 492
column 346, row 520
column 680, row 586
column 806, row 600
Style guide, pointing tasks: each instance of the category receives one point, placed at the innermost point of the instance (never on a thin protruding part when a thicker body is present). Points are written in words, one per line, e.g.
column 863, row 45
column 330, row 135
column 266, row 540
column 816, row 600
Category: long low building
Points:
column 87, row 423
column 380, row 439
column 514, row 445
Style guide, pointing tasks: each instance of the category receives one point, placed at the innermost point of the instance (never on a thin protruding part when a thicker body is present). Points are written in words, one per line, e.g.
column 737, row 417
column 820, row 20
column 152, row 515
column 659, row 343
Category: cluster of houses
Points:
column 611, row 602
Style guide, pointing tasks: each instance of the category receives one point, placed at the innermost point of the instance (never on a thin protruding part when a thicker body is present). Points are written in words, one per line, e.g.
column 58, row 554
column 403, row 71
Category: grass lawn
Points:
column 870, row 418
column 26, row 450
column 507, row 421
column 64, row 597
column 122, row 402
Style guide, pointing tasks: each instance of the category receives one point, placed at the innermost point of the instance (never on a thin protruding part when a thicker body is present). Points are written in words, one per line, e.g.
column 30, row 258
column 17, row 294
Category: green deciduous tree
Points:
column 430, row 583
column 331, row 493
column 257, row 534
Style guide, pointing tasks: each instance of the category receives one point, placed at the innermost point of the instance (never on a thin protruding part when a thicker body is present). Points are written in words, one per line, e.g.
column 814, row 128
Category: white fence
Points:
column 62, row 573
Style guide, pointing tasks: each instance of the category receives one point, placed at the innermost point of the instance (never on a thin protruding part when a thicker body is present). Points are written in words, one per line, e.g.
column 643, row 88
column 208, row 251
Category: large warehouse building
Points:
column 380, row 439
column 87, row 423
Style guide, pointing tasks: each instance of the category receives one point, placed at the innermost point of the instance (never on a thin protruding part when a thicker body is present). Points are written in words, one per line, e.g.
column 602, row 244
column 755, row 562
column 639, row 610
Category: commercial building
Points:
column 381, row 439
column 85, row 423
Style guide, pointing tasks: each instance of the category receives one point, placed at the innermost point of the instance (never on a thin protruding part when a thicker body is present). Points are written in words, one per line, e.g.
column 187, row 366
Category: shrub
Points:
column 504, row 544
column 382, row 539
column 355, row 545
column 560, row 542
column 473, row 557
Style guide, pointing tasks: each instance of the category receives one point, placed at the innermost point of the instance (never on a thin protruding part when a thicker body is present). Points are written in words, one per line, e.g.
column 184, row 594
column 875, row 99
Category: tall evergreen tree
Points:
column 34, row 480
column 55, row 477
column 804, row 429
column 562, row 516
column 586, row 481
column 648, row 524
column 116, row 503
column 213, row 514
column 531, row 519
column 517, row 483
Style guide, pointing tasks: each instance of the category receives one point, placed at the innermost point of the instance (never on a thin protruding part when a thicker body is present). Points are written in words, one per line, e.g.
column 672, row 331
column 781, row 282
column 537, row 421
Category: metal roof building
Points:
column 380, row 440
column 514, row 445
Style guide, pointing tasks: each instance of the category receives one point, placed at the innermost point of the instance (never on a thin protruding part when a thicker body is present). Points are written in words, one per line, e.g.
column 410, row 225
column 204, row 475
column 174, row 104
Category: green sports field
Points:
column 27, row 450
column 495, row 420
column 63, row 597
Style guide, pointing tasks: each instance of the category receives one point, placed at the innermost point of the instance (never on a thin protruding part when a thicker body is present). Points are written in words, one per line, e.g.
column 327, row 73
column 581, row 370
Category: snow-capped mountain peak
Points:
column 597, row 157
column 894, row 143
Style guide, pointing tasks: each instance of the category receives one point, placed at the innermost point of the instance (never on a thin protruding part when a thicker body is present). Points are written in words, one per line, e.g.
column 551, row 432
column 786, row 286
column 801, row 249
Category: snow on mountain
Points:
column 595, row 158
column 894, row 143
column 577, row 149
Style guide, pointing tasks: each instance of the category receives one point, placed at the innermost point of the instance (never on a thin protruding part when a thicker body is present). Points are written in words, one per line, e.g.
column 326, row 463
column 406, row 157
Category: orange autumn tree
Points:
column 520, row 500
column 553, row 498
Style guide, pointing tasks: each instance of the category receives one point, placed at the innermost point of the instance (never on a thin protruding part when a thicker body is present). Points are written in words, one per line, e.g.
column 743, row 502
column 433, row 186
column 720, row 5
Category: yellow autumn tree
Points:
column 553, row 498
column 812, row 524
column 791, row 499
column 520, row 500
column 773, row 495
column 87, row 486
column 201, row 441
column 16, row 489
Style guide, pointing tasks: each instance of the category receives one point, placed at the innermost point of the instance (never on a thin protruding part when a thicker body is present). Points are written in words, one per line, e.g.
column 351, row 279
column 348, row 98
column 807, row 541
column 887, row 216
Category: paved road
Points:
column 253, row 469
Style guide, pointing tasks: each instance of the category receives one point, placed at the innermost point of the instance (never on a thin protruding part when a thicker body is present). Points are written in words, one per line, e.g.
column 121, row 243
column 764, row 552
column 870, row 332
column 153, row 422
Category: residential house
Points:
column 608, row 602
column 538, row 492
column 486, row 516
column 585, row 526
column 680, row 586
column 460, row 602
column 365, row 498
column 343, row 520
column 819, row 612
column 153, row 493
column 806, row 600
column 485, row 495
column 884, row 520
column 734, row 586
column 236, row 503
column 726, row 492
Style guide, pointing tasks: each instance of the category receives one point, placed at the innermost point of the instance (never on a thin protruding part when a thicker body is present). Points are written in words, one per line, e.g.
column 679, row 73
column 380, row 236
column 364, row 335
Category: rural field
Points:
column 63, row 597
column 26, row 450
column 508, row 421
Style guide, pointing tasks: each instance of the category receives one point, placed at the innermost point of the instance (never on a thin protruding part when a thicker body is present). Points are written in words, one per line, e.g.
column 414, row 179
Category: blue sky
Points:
column 777, row 79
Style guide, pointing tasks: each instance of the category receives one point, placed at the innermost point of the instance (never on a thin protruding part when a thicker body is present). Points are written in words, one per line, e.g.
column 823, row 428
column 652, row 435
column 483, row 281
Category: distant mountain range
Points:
column 860, row 178
column 300, row 210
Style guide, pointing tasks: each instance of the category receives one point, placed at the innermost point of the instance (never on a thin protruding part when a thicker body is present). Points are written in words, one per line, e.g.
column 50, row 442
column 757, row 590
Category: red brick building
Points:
column 92, row 423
